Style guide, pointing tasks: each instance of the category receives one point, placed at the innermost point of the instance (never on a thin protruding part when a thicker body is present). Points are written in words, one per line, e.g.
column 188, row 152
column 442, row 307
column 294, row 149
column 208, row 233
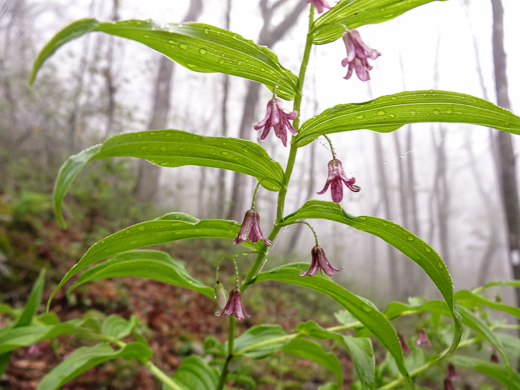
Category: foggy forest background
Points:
column 440, row 183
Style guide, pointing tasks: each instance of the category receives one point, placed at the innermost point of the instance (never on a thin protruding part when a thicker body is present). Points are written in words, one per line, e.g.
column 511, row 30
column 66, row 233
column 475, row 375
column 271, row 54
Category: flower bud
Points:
column 220, row 294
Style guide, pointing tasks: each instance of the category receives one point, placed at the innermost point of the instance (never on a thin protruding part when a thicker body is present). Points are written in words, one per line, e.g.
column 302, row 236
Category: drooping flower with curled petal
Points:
column 357, row 55
column 404, row 347
column 422, row 338
column 320, row 5
column 319, row 262
column 234, row 306
column 277, row 118
column 336, row 179
column 251, row 229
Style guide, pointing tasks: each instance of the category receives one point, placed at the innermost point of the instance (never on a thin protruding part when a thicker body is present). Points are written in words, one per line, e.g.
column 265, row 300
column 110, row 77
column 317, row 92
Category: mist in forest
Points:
column 440, row 181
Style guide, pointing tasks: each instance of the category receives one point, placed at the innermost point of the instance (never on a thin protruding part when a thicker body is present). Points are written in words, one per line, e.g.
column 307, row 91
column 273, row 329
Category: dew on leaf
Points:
column 410, row 238
column 428, row 250
column 366, row 308
column 381, row 112
column 360, row 116
column 202, row 51
column 436, row 112
column 183, row 46
column 162, row 148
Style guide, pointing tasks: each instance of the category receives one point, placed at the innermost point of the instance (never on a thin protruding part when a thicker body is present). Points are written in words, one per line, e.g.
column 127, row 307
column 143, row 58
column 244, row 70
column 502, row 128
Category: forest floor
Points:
column 176, row 320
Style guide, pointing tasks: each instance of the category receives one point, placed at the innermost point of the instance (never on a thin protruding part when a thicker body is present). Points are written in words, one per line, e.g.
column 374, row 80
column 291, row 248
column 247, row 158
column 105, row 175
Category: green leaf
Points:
column 117, row 327
column 313, row 351
column 5, row 308
column 195, row 373
column 471, row 320
column 513, row 283
column 157, row 231
column 469, row 299
column 85, row 358
column 28, row 335
column 175, row 148
column 359, row 307
column 362, row 354
column 498, row 372
column 355, row 13
column 69, row 33
column 389, row 113
column 31, row 307
column 400, row 238
column 150, row 264
column 198, row 47
column 261, row 341
column 434, row 307
column 359, row 349
column 25, row 319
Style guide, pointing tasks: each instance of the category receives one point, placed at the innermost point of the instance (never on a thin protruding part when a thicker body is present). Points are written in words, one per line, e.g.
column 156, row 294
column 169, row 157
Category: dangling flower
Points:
column 451, row 373
column 251, row 229
column 277, row 118
column 448, row 385
column 404, row 347
column 357, row 55
column 320, row 5
column 336, row 176
column 422, row 338
column 494, row 356
column 319, row 262
column 234, row 306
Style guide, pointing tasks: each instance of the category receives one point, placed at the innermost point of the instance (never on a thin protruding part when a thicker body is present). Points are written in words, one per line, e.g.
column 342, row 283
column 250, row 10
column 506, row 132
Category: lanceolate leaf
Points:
column 362, row 309
column 470, row 299
column 471, row 320
column 154, row 265
column 354, row 13
column 31, row 307
column 198, row 47
column 313, row 351
column 499, row 372
column 397, row 236
column 261, row 341
column 85, row 358
column 22, row 322
column 389, row 113
column 32, row 334
column 175, row 148
column 359, row 349
column 195, row 373
column 513, row 283
column 157, row 231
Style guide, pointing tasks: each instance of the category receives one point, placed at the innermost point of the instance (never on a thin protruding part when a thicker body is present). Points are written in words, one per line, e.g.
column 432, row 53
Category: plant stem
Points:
column 156, row 372
column 292, row 157
column 281, row 197
column 231, row 342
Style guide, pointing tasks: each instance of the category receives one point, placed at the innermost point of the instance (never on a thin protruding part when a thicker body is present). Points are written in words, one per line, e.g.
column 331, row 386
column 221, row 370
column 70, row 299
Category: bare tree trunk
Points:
column 506, row 157
column 109, row 75
column 393, row 264
column 268, row 37
column 147, row 182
